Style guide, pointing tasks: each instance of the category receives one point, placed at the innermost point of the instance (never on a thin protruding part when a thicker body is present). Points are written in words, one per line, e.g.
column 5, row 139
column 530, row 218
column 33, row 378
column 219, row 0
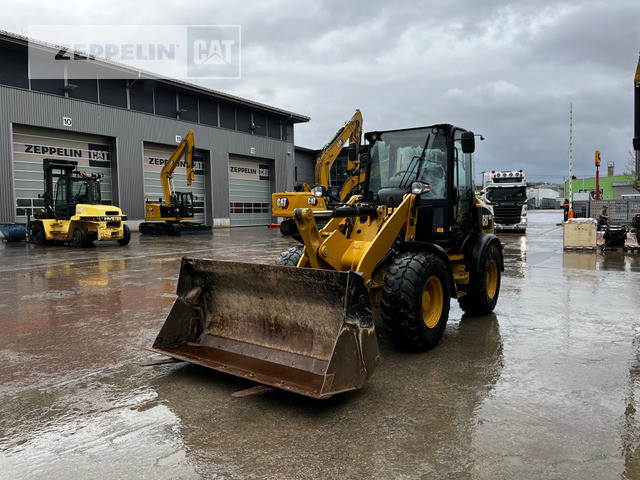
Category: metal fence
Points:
column 621, row 211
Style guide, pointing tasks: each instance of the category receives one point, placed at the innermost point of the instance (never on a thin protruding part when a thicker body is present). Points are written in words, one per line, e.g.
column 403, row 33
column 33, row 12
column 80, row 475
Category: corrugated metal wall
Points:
column 305, row 166
column 128, row 130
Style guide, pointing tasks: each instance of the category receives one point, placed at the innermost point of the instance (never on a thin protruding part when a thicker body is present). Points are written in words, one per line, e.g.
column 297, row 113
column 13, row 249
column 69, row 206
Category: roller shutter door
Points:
column 32, row 145
column 249, row 191
column 155, row 157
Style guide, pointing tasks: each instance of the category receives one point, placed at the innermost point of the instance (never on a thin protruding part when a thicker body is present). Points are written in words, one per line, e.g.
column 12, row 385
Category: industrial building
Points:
column 612, row 187
column 126, row 130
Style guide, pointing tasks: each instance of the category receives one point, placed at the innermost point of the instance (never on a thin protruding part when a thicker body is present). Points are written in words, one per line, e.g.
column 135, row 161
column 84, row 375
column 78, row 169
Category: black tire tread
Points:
column 476, row 302
column 83, row 242
column 126, row 235
column 401, row 301
column 38, row 234
column 290, row 257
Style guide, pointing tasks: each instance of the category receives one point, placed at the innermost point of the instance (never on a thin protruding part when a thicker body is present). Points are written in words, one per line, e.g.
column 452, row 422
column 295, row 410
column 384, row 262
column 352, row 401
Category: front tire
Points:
column 290, row 257
column 80, row 237
column 416, row 300
column 126, row 235
column 484, row 286
column 38, row 234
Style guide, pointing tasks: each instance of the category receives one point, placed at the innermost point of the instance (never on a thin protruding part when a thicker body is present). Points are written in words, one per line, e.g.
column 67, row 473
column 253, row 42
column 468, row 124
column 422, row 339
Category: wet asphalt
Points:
column 546, row 387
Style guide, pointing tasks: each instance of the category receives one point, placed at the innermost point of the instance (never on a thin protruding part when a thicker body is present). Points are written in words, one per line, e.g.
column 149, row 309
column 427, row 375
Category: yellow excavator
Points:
column 284, row 203
column 413, row 239
column 174, row 213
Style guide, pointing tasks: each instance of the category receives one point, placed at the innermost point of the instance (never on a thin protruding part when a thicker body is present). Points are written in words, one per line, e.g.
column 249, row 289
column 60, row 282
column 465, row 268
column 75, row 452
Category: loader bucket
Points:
column 304, row 330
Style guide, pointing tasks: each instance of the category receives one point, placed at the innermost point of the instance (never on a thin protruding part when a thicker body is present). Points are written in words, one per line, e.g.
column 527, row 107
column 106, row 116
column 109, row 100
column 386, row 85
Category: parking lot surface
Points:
column 548, row 386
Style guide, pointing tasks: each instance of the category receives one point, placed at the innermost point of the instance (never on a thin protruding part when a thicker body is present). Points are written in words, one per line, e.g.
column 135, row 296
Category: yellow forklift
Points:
column 75, row 215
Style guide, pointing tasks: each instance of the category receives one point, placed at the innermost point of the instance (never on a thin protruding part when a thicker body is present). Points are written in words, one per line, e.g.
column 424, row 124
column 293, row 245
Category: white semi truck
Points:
column 505, row 193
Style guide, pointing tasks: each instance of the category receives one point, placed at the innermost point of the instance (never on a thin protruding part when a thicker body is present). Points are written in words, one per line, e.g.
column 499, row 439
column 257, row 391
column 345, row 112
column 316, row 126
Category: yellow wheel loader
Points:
column 416, row 238
column 75, row 215
column 283, row 204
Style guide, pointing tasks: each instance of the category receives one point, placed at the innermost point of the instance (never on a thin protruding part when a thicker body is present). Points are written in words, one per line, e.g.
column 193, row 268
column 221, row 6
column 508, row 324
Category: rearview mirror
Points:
column 468, row 142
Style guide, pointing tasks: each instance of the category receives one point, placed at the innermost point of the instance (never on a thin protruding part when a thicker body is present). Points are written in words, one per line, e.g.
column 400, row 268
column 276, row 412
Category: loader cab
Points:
column 439, row 156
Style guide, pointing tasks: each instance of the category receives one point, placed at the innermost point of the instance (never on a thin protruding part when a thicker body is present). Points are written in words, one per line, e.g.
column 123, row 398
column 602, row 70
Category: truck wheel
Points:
column 288, row 227
column 484, row 286
column 38, row 234
column 80, row 237
column 126, row 235
column 290, row 257
column 415, row 300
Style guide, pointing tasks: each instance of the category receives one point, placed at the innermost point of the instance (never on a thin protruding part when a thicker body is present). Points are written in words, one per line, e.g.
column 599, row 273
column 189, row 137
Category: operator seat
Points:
column 434, row 175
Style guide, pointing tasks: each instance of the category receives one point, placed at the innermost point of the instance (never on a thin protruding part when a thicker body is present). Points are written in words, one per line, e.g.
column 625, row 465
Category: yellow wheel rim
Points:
column 492, row 279
column 432, row 302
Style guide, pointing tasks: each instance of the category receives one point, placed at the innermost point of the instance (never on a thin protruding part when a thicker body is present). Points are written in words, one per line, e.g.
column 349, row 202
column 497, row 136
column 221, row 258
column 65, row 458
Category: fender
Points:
column 437, row 250
column 474, row 247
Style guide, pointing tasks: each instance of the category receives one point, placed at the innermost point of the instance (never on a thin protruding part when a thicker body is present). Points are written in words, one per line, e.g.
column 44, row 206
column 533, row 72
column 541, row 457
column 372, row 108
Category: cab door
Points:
column 62, row 206
column 434, row 208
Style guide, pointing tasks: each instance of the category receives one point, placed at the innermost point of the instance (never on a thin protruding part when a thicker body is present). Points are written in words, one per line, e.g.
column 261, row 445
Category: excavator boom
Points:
column 284, row 203
column 185, row 149
column 352, row 132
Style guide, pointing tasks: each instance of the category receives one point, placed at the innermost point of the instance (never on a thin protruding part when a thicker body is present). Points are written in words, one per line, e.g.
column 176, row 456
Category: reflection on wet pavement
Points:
column 545, row 387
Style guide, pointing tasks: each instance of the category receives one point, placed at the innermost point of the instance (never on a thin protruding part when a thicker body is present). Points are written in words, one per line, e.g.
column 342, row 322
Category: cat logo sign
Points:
column 283, row 202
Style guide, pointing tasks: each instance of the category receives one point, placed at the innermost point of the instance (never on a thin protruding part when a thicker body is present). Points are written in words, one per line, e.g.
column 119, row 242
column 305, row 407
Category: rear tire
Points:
column 288, row 227
column 80, row 237
column 126, row 235
column 38, row 234
column 416, row 300
column 484, row 286
column 290, row 257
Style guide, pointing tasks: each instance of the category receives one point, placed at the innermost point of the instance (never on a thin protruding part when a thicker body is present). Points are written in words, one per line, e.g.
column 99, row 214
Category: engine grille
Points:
column 507, row 215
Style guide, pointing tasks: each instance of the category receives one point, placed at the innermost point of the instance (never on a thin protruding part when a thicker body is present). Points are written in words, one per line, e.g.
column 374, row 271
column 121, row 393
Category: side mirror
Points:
column 468, row 142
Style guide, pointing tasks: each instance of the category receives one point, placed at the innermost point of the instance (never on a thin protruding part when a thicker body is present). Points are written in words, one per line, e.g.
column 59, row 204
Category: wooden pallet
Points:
column 579, row 248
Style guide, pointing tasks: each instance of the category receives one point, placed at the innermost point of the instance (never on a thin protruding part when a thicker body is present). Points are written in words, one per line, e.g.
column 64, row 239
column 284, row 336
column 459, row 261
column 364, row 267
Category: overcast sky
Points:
column 508, row 70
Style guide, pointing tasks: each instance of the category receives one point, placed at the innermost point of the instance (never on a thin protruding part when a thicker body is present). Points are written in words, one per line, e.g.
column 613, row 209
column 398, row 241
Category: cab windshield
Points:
column 81, row 190
column 400, row 157
column 509, row 194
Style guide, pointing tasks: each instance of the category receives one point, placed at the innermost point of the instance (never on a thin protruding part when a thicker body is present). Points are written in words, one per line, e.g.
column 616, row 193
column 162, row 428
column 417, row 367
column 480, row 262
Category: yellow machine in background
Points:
column 173, row 214
column 415, row 238
column 75, row 215
column 284, row 203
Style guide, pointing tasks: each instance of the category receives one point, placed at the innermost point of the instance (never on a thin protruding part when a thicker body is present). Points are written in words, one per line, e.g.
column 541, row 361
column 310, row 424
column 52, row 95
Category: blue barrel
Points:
column 13, row 232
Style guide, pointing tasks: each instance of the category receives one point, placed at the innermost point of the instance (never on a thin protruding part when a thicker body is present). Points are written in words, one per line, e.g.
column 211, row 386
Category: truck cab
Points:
column 505, row 193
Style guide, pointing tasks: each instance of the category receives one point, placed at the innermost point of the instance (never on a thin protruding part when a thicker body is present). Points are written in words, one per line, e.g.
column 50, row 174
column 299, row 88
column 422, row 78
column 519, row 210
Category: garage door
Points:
column 155, row 157
column 32, row 145
column 249, row 191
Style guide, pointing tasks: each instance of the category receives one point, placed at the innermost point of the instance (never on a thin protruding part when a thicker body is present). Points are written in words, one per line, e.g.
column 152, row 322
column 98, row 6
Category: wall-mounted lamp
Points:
column 69, row 86
column 180, row 111
column 479, row 135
